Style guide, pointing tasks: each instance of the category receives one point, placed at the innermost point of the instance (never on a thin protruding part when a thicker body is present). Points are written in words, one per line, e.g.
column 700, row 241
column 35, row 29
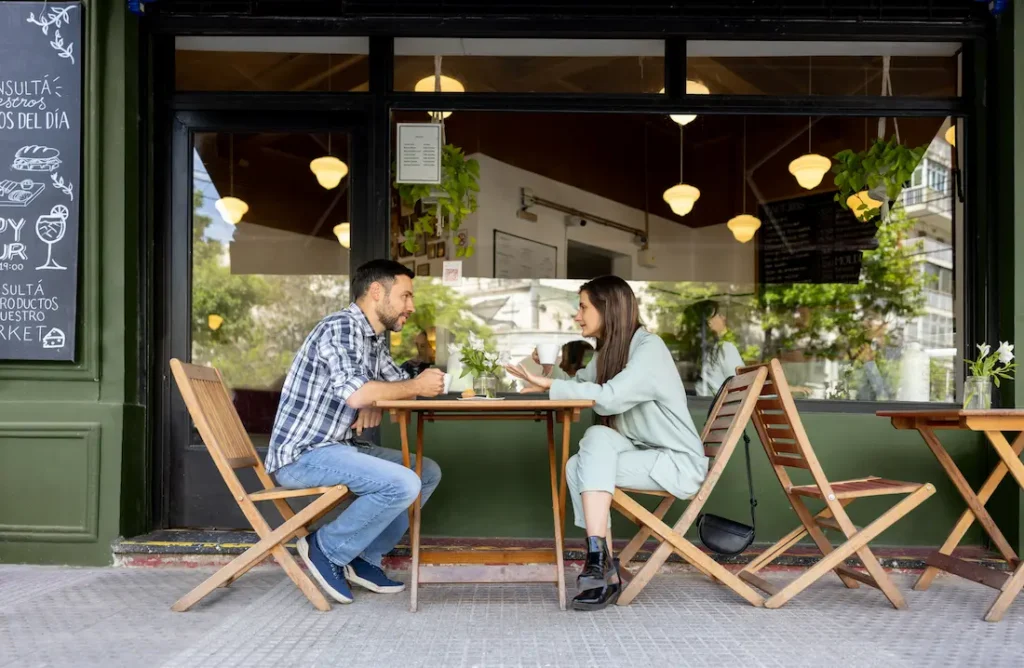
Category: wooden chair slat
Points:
column 650, row 492
column 217, row 421
column 790, row 448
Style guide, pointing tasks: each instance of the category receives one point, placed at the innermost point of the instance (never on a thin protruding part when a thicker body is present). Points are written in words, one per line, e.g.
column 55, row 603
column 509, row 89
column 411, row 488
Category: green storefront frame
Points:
column 77, row 443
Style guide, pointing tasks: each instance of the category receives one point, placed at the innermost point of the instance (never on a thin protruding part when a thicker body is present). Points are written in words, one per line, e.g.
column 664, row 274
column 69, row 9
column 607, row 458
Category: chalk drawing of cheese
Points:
column 19, row 193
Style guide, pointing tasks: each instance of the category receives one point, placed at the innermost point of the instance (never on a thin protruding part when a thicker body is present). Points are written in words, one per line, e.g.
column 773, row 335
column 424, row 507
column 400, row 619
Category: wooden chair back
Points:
column 214, row 415
column 782, row 432
column 721, row 433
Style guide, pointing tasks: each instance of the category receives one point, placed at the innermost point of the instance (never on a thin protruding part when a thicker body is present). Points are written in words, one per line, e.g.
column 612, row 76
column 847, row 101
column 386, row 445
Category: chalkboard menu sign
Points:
column 40, row 177
column 811, row 239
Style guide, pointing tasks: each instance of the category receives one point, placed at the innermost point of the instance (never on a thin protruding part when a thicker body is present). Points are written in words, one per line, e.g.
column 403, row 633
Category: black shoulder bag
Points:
column 720, row 534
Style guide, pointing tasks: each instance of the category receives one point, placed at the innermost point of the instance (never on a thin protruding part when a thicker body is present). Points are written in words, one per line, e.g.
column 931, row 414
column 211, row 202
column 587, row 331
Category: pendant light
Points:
column 344, row 234
column 230, row 208
column 862, row 204
column 214, row 321
column 692, row 88
column 744, row 226
column 809, row 169
column 439, row 83
column 328, row 170
column 951, row 133
column 682, row 196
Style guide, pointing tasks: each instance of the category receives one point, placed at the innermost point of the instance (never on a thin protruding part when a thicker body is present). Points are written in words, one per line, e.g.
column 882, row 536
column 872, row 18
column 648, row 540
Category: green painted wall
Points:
column 495, row 480
column 66, row 429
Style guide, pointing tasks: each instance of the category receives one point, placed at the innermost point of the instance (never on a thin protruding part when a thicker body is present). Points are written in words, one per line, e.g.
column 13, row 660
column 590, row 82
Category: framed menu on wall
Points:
column 811, row 239
column 40, row 178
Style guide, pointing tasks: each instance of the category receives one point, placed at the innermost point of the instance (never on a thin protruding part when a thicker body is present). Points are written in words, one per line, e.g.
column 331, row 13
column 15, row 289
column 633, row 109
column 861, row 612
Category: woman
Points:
column 645, row 439
column 718, row 358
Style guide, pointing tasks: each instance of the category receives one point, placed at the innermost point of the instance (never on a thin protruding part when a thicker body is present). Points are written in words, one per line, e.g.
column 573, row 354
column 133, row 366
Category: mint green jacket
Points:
column 648, row 398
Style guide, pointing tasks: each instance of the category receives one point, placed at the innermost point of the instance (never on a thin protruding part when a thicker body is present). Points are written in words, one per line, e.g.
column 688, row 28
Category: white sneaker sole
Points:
column 302, row 545
column 350, row 575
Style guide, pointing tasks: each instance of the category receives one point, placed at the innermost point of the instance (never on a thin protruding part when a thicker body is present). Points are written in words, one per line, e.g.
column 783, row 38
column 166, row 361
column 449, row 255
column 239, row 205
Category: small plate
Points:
column 481, row 398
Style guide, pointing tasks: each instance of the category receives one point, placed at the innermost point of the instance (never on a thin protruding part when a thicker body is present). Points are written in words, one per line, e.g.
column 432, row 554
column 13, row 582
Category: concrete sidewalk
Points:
column 120, row 617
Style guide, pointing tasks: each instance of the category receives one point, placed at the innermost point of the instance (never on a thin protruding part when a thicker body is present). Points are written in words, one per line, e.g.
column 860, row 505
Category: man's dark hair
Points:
column 377, row 271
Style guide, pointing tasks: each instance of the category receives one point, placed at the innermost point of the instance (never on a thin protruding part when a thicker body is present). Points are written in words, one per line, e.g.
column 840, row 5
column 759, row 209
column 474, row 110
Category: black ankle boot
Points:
column 598, row 566
column 597, row 599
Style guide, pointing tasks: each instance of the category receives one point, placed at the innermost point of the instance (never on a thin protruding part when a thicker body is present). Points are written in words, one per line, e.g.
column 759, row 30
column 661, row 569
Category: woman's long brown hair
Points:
column 620, row 317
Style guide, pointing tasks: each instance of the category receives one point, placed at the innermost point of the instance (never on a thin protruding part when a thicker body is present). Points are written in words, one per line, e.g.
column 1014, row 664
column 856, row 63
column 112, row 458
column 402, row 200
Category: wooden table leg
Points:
column 974, row 505
column 985, row 492
column 417, row 514
column 562, row 491
column 557, row 509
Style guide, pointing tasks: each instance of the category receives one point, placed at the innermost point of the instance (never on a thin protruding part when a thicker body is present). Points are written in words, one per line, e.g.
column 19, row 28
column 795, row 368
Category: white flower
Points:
column 984, row 349
column 1005, row 352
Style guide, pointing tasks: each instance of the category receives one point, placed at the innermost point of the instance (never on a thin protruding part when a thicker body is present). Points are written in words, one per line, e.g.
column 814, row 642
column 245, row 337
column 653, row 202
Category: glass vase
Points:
column 977, row 393
column 485, row 386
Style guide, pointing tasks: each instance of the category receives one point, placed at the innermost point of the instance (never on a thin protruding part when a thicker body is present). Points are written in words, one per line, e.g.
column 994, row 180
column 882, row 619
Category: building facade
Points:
column 578, row 122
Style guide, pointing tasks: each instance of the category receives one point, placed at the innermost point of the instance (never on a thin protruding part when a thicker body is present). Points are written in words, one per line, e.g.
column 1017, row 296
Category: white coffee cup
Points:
column 447, row 382
column 547, row 352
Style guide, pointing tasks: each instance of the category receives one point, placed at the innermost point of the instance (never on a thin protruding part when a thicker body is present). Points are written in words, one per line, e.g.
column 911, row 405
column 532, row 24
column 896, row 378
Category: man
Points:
column 328, row 399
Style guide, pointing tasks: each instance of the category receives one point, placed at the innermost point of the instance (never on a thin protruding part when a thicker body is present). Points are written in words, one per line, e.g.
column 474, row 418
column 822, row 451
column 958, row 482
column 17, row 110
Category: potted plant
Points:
column 880, row 172
column 484, row 367
column 990, row 367
column 446, row 203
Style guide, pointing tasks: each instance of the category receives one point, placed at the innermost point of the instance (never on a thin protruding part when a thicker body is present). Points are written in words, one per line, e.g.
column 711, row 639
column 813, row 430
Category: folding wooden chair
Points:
column 781, row 432
column 218, row 423
column 721, row 433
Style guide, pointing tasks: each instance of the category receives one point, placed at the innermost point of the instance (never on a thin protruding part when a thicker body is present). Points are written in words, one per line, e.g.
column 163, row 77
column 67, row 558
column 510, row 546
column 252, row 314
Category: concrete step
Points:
column 191, row 547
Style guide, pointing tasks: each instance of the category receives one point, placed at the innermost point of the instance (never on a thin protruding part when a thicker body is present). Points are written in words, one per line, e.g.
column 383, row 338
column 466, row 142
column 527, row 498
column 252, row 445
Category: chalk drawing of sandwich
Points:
column 34, row 158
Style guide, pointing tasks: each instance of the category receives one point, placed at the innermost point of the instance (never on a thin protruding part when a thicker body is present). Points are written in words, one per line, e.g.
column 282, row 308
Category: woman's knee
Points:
column 597, row 439
column 572, row 473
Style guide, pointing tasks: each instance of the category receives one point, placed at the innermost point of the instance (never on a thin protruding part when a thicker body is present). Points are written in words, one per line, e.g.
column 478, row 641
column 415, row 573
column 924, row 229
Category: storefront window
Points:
column 272, row 63
column 262, row 281
column 824, row 68
column 530, row 65
column 856, row 309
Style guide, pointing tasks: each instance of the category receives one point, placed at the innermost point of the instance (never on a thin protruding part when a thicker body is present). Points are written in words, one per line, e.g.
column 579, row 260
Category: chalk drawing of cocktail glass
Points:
column 50, row 229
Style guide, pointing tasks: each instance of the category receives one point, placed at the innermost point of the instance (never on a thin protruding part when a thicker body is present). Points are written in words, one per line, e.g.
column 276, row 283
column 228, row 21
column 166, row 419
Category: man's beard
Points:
column 390, row 319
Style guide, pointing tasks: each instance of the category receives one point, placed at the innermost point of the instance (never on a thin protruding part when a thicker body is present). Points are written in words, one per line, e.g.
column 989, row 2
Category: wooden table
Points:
column 993, row 423
column 432, row 567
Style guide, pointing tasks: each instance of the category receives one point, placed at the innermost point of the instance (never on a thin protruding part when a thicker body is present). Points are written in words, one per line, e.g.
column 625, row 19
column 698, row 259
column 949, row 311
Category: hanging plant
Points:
column 883, row 169
column 445, row 204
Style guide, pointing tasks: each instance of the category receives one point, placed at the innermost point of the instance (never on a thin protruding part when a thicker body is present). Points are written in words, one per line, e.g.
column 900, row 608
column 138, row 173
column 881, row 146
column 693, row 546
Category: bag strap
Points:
column 746, row 452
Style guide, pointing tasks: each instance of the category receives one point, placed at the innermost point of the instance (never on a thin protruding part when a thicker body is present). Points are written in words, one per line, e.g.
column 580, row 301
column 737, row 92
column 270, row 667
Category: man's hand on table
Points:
column 430, row 383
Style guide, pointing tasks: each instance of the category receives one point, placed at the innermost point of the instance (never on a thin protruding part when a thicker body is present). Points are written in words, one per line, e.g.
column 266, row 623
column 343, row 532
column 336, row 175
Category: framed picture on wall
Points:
column 423, row 269
column 439, row 249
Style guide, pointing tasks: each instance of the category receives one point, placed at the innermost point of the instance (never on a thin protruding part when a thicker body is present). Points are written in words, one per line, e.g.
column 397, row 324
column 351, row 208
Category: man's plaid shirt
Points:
column 337, row 358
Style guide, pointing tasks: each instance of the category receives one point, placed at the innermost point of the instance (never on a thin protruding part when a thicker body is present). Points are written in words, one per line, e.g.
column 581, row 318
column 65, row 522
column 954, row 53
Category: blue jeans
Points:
column 376, row 520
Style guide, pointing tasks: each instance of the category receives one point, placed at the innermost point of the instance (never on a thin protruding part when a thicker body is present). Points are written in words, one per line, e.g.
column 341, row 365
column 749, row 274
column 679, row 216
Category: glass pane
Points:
column 531, row 65
column 271, row 64
column 856, row 310
column 820, row 68
column 261, row 283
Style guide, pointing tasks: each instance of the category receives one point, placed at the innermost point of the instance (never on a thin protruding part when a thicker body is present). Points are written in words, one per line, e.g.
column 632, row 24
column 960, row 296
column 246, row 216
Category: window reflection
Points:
column 857, row 307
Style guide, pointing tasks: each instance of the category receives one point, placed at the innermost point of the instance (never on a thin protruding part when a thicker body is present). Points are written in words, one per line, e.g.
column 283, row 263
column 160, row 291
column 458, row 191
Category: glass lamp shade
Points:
column 951, row 135
column 329, row 171
column 214, row 321
column 692, row 88
column 743, row 227
column 681, row 198
column 231, row 209
column 447, row 85
column 343, row 232
column 861, row 203
column 810, row 169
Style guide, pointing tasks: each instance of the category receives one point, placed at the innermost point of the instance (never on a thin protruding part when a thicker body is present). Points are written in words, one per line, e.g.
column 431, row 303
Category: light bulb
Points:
column 343, row 232
column 681, row 198
column 329, row 171
column 692, row 88
column 231, row 209
column 743, row 227
column 447, row 85
column 810, row 169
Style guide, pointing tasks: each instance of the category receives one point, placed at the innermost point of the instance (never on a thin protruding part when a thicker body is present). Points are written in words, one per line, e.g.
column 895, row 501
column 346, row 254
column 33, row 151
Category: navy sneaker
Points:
column 323, row 569
column 366, row 575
